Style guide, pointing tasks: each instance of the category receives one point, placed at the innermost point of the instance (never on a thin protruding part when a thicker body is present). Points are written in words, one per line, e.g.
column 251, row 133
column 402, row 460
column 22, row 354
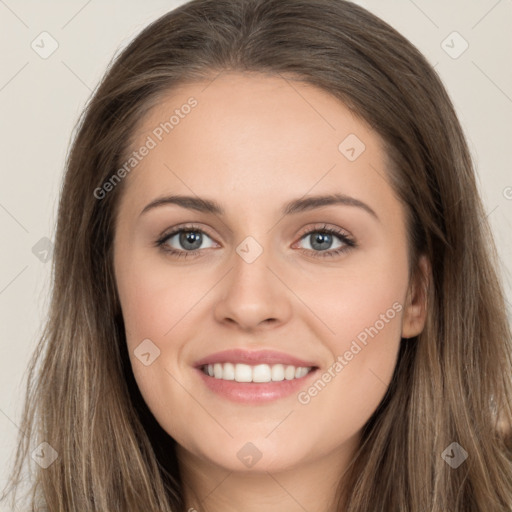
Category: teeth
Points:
column 217, row 370
column 228, row 371
column 259, row 373
column 277, row 372
column 289, row 372
column 243, row 373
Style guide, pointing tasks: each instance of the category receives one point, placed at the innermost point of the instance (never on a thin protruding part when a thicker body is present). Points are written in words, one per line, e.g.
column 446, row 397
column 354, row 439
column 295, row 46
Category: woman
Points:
column 256, row 373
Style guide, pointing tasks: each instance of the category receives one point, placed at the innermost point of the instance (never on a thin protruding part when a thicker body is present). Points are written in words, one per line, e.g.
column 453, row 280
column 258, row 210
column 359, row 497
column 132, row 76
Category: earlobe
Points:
column 415, row 310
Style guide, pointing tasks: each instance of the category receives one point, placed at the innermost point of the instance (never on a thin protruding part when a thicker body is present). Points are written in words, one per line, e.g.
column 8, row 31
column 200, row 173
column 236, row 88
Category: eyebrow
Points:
column 295, row 206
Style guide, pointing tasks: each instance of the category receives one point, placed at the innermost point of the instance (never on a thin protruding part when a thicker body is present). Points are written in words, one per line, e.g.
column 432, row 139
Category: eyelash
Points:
column 349, row 242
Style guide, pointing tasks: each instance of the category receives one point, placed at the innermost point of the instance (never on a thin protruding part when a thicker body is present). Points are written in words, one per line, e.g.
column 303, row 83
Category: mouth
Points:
column 254, row 376
column 260, row 373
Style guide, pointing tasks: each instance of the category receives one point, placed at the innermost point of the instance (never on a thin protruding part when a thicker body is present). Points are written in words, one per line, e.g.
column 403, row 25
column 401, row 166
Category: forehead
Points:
column 254, row 134
column 244, row 105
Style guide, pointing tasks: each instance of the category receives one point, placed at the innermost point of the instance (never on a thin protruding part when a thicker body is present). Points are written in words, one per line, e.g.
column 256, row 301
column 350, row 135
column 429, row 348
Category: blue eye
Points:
column 319, row 237
column 190, row 238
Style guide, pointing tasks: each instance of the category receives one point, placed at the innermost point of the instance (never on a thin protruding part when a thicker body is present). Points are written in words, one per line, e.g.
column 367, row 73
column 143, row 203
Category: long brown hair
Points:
column 452, row 383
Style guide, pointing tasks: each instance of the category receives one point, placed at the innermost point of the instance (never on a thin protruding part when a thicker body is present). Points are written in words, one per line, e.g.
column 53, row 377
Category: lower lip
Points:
column 255, row 392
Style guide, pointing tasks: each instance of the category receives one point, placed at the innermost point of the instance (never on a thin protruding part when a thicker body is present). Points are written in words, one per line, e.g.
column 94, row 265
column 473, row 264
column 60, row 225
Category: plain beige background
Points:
column 41, row 99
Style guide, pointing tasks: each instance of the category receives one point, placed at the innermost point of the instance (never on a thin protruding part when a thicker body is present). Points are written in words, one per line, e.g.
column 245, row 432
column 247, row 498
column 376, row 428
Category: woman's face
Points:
column 265, row 280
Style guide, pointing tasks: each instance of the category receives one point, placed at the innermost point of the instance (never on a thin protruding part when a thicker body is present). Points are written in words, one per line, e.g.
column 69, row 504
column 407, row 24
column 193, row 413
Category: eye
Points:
column 188, row 238
column 320, row 240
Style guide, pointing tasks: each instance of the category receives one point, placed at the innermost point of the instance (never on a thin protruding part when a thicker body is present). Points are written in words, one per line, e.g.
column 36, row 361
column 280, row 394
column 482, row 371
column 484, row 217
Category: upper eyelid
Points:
column 326, row 227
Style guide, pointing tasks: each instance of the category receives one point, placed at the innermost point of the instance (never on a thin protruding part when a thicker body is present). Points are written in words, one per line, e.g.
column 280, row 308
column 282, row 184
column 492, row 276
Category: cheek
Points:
column 160, row 304
column 155, row 305
column 365, row 295
column 362, row 310
column 347, row 392
column 154, row 299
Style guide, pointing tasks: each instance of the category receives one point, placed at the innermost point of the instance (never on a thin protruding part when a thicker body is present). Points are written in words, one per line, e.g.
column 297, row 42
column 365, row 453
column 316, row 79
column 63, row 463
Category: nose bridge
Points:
column 251, row 262
column 253, row 294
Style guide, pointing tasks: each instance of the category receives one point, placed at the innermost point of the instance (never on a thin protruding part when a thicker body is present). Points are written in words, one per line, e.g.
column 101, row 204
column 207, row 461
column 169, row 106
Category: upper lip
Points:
column 253, row 357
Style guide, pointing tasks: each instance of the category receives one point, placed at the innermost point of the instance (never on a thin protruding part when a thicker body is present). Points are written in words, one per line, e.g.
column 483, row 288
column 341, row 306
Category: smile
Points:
column 258, row 373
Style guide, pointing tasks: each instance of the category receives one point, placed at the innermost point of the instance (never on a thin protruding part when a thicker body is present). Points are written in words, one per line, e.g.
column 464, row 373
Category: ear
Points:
column 415, row 310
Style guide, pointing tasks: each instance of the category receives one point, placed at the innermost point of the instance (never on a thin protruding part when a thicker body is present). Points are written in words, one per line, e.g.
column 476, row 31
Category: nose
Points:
column 253, row 295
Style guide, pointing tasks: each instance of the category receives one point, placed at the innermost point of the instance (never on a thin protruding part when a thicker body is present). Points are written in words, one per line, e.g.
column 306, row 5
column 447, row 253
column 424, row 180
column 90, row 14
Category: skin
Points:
column 253, row 143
